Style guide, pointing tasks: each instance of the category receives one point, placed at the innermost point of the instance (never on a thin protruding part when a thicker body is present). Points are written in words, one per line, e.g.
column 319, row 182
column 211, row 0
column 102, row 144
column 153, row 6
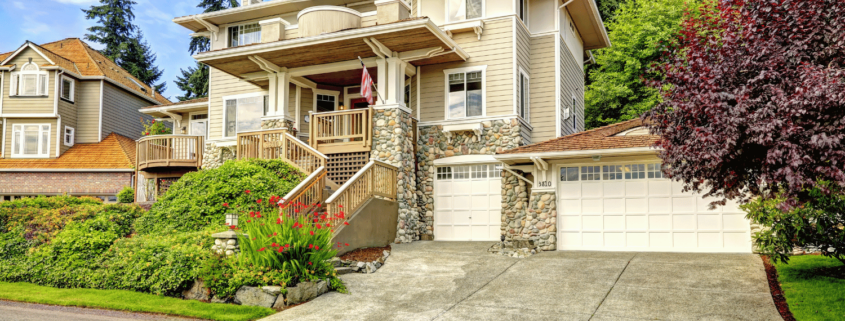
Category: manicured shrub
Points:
column 225, row 275
column 195, row 200
column 126, row 195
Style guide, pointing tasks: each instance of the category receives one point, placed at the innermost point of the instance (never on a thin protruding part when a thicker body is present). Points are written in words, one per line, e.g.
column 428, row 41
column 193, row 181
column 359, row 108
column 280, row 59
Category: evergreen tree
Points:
column 124, row 42
column 194, row 80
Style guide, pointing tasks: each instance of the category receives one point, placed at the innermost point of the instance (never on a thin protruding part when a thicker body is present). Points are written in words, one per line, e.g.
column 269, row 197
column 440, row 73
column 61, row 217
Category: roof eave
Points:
column 575, row 153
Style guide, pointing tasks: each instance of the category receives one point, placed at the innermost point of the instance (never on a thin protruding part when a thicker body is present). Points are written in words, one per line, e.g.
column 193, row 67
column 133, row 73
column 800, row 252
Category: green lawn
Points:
column 811, row 295
column 129, row 301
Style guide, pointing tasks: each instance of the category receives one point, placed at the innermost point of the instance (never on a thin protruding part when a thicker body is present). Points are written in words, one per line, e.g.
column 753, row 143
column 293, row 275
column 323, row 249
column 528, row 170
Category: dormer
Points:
column 30, row 81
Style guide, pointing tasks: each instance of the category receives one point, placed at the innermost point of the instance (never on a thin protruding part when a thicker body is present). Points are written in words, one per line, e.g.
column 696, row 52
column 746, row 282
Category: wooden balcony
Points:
column 278, row 144
column 169, row 151
column 342, row 131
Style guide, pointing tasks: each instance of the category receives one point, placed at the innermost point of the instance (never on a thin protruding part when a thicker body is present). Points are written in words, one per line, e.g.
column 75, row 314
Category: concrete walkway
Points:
column 460, row 281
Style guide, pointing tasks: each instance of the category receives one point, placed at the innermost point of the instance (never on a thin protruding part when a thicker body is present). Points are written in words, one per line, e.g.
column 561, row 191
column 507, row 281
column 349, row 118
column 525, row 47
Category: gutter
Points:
column 576, row 153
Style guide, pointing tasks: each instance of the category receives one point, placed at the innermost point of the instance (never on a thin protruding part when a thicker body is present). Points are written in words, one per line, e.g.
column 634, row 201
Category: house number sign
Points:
column 544, row 184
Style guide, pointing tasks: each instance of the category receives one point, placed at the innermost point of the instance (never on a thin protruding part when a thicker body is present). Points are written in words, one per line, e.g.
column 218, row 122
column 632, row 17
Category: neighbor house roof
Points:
column 179, row 103
column 74, row 55
column 114, row 152
column 598, row 138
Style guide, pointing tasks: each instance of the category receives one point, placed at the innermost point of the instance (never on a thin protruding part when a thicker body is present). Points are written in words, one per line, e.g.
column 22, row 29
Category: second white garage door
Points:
column 468, row 203
column 631, row 207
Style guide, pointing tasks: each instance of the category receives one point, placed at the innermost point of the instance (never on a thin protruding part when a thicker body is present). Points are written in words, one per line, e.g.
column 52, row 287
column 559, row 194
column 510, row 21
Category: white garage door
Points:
column 631, row 207
column 468, row 203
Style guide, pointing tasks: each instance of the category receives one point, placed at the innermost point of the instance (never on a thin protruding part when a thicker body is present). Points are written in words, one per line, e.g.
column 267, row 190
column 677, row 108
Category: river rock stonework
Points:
column 393, row 144
column 214, row 157
column 276, row 123
column 540, row 220
column 514, row 202
column 496, row 136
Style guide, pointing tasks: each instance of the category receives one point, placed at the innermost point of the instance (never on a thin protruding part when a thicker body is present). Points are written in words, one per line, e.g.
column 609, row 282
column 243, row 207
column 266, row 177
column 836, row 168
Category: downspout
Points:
column 3, row 142
column 59, row 141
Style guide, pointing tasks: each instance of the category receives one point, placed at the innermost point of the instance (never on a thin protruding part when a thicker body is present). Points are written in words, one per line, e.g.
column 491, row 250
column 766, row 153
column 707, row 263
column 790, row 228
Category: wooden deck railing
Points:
column 342, row 131
column 374, row 179
column 278, row 144
column 306, row 196
column 169, row 151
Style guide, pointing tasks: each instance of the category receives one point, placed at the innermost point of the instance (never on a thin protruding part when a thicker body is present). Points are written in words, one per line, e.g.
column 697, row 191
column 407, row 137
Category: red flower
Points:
column 247, row 191
column 232, row 227
column 154, row 121
column 279, row 220
column 251, row 214
column 274, row 233
column 346, row 244
column 309, row 263
column 249, row 221
column 318, row 226
column 312, row 232
column 274, row 244
column 341, row 206
column 345, row 223
column 316, row 247
column 310, row 246
column 258, row 201
column 226, row 204
column 261, row 249
column 281, row 249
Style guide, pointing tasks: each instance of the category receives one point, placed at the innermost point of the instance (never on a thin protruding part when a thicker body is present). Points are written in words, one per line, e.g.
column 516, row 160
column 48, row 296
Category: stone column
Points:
column 540, row 220
column 514, row 203
column 393, row 144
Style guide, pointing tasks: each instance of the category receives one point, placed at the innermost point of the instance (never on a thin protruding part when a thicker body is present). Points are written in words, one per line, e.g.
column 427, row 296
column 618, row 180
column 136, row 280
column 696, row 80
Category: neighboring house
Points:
column 69, row 117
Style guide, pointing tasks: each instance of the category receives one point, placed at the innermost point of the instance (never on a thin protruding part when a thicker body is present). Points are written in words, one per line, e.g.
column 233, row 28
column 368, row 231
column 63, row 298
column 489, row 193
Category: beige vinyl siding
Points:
column 291, row 112
column 523, row 48
column 495, row 50
column 69, row 113
column 571, row 83
column 498, row 7
column 542, row 91
column 369, row 21
column 435, row 10
column 29, row 105
column 222, row 84
column 412, row 104
column 364, row 7
column 291, row 33
column 120, row 112
column 12, row 121
column 87, row 111
column 306, row 104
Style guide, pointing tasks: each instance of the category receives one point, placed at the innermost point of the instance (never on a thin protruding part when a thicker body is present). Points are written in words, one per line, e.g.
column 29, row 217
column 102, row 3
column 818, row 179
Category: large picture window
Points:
column 244, row 34
column 243, row 114
column 465, row 92
column 31, row 140
column 464, row 9
column 30, row 81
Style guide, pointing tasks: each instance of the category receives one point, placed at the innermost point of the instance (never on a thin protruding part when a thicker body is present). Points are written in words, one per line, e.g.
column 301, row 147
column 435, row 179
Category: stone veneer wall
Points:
column 514, row 201
column 276, row 123
column 540, row 220
column 393, row 144
column 496, row 136
column 214, row 157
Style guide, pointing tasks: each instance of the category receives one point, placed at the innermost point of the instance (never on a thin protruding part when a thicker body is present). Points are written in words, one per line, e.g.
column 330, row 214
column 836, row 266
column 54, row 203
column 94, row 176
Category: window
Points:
column 31, row 140
column 569, row 174
column 67, row 88
column 590, row 173
column 199, row 116
column 495, row 170
column 522, row 96
column 30, row 81
column 244, row 34
column 68, row 136
column 444, row 173
column 243, row 114
column 461, row 172
column 634, row 171
column 611, row 172
column 465, row 92
column 574, row 119
column 464, row 9
column 407, row 95
column 479, row 171
column 522, row 10
column 655, row 171
column 326, row 102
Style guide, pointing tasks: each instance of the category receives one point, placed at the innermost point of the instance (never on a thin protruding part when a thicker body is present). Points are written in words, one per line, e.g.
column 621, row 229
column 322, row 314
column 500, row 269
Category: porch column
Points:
column 283, row 90
column 395, row 81
column 382, row 81
column 274, row 94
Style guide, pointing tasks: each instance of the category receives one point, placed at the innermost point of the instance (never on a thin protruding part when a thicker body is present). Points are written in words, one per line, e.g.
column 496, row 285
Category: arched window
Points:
column 30, row 81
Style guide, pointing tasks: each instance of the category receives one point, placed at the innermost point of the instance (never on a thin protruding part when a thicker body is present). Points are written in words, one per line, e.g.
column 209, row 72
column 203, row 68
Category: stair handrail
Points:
column 323, row 159
column 303, row 184
column 366, row 183
column 314, row 183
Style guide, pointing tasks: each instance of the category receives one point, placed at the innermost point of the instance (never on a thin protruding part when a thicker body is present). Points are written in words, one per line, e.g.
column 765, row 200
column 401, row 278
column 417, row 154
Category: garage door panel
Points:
column 660, row 205
column 734, row 222
column 569, row 207
column 660, row 240
column 614, row 206
column 462, row 202
column 703, row 205
column 442, row 188
column 709, row 222
column 660, row 188
column 480, row 232
column 684, row 240
column 461, row 232
column 683, row 205
column 592, row 239
column 480, row 218
column 460, row 217
column 683, row 222
column 591, row 190
column 709, row 240
column 613, row 189
column 461, row 187
column 613, row 239
column 636, row 223
column 636, row 205
column 444, row 232
column 736, row 239
column 570, row 223
column 444, row 202
column 636, row 189
column 481, row 187
column 660, row 222
column 570, row 191
column 479, row 201
column 592, row 206
column 592, row 223
column 570, row 239
column 494, row 187
column 614, row 223
column 636, row 239
column 495, row 218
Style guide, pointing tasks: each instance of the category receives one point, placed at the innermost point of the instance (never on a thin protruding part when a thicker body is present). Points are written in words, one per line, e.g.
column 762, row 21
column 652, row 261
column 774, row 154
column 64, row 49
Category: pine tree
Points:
column 194, row 81
column 124, row 42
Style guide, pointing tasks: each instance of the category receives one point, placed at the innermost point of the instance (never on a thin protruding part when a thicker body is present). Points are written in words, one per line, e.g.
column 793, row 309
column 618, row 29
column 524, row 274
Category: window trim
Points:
column 72, row 136
column 525, row 6
column 447, row 72
column 239, row 26
column 72, row 97
column 40, row 142
column 483, row 12
column 223, row 107
column 527, row 99
column 325, row 92
column 15, row 83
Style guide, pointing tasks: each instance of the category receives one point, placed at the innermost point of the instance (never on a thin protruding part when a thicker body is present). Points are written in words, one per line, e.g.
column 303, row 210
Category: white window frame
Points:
column 72, row 136
column 483, row 12
column 447, row 72
column 192, row 121
column 20, row 142
column 236, row 97
column 240, row 27
column 524, row 16
column 572, row 114
column 41, row 83
column 324, row 92
column 72, row 89
column 527, row 99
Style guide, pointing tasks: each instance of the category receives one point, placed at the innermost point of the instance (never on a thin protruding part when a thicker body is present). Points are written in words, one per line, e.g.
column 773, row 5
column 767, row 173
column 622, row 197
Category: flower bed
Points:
column 366, row 260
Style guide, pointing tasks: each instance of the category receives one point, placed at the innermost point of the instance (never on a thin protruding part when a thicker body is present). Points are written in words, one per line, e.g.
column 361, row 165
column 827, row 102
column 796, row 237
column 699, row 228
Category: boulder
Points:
column 343, row 270
column 272, row 289
column 302, row 292
column 280, row 303
column 217, row 299
column 322, row 287
column 253, row 296
column 197, row 291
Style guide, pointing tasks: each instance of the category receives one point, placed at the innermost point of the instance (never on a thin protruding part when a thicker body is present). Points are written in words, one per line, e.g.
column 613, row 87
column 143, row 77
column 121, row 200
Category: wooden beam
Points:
column 332, row 67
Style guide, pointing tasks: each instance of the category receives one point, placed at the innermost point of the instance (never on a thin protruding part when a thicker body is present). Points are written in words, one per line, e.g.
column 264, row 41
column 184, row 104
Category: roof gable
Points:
column 598, row 138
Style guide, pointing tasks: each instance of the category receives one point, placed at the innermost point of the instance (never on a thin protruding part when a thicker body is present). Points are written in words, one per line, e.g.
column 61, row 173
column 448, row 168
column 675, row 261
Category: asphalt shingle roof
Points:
column 114, row 152
column 598, row 138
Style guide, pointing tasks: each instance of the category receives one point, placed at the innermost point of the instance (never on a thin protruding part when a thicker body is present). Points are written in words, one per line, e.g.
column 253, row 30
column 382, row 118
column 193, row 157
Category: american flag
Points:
column 366, row 85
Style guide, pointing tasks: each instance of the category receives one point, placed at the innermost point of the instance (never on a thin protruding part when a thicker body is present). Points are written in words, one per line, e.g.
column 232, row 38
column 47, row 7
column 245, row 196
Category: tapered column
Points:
column 382, row 80
column 395, row 81
column 283, row 90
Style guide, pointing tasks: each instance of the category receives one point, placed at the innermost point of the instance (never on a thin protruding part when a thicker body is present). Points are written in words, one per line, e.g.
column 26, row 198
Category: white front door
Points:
column 632, row 207
column 468, row 203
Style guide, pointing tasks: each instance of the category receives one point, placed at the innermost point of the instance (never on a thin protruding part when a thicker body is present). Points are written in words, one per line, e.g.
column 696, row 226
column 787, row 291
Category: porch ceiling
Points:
column 343, row 78
column 346, row 45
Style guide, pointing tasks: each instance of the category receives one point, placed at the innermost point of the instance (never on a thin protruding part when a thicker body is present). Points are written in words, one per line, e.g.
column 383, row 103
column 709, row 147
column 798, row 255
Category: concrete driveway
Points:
column 460, row 281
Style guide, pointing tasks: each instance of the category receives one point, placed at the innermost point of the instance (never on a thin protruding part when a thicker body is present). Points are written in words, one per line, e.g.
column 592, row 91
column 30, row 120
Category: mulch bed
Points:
column 777, row 292
column 365, row 255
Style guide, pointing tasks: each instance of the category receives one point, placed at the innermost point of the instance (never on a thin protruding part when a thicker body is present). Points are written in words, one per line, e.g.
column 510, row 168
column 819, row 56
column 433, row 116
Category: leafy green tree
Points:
column 124, row 42
column 194, row 80
column 607, row 8
column 616, row 90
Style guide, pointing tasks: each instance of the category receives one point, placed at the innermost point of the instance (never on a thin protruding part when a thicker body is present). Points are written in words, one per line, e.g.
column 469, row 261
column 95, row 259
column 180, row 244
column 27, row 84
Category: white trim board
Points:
column 465, row 159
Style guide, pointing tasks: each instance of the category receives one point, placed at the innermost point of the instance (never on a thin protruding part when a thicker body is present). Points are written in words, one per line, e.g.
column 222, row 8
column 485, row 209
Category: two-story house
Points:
column 69, row 118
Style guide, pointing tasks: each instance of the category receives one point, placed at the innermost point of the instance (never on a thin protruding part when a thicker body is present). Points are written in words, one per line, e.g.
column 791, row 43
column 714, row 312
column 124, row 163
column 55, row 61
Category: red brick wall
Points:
column 61, row 183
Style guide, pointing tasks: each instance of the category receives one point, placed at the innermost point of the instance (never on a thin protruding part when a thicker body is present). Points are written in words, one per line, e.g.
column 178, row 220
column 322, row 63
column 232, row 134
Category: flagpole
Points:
column 374, row 83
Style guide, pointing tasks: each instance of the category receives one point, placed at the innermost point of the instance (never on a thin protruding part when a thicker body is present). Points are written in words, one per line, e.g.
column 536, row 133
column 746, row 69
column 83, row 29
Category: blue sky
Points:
column 51, row 20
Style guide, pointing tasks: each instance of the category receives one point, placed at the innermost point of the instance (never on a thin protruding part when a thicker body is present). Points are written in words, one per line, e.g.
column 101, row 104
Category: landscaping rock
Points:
column 253, row 296
column 198, row 291
column 272, row 289
column 302, row 292
column 217, row 299
column 343, row 270
column 336, row 262
column 322, row 287
column 280, row 303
